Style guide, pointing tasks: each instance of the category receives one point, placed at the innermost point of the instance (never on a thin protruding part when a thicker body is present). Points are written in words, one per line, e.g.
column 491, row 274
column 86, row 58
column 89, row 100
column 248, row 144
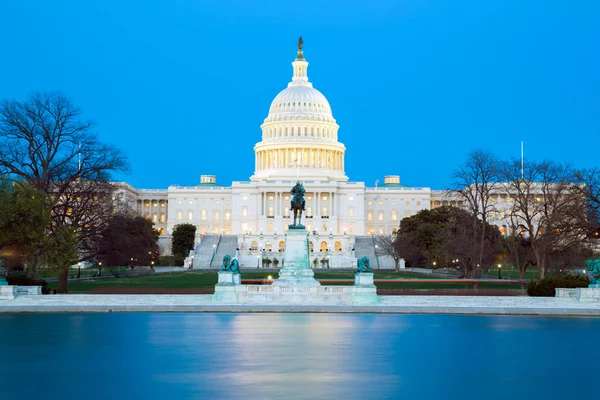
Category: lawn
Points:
column 185, row 280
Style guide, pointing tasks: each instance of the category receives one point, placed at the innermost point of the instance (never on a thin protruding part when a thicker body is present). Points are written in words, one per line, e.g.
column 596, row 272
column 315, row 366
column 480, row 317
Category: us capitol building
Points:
column 249, row 218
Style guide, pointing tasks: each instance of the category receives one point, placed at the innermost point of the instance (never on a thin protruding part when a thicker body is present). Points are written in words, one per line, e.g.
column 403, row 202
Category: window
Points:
column 324, row 228
column 179, row 215
column 351, row 211
column 394, row 215
column 244, row 197
column 270, row 197
column 217, row 202
column 244, row 227
column 393, row 203
column 179, row 201
column 155, row 218
column 323, row 246
column 381, row 203
column 350, row 198
column 308, row 197
column 162, row 217
column 350, row 228
column 244, row 211
column 270, row 211
column 286, row 197
column 370, row 203
column 369, row 216
column 406, row 214
column 203, row 214
column 203, row 230
column 162, row 205
column 190, row 215
column 309, row 211
column 309, row 227
column 147, row 204
column 324, row 197
column 380, row 216
column 407, row 203
column 270, row 227
column 394, row 231
column 228, row 202
column 217, row 216
column 286, row 212
column 324, row 214
column 190, row 202
column 155, row 204
column 418, row 203
column 338, row 246
column 227, row 215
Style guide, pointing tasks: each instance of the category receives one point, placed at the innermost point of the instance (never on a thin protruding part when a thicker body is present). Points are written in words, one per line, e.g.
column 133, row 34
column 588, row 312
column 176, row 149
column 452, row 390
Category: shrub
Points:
column 22, row 280
column 545, row 287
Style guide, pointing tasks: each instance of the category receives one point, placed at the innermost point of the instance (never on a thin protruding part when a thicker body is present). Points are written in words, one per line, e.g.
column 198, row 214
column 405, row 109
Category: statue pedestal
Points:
column 296, row 269
column 225, row 278
column 364, row 279
column 237, row 279
column 8, row 292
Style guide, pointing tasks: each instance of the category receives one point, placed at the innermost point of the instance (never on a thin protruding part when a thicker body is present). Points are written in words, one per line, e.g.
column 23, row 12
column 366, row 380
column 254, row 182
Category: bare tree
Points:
column 547, row 207
column 385, row 245
column 474, row 182
column 44, row 142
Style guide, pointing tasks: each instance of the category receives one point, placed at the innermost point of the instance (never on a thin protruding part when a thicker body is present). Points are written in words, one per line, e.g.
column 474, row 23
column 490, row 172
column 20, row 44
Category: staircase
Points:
column 204, row 251
column 226, row 245
column 365, row 246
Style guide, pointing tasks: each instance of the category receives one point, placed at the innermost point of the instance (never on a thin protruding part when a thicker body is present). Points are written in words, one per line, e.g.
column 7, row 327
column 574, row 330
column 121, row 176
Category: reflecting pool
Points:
column 289, row 356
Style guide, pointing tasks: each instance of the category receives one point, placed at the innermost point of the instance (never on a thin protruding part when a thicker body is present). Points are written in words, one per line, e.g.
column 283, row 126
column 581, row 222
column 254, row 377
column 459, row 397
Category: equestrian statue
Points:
column 297, row 205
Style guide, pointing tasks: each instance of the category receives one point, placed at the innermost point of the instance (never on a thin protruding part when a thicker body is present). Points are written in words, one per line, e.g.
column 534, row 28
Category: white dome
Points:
column 300, row 99
column 299, row 136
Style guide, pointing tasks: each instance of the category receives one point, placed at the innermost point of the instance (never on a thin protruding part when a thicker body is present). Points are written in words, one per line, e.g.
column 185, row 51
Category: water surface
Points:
column 295, row 356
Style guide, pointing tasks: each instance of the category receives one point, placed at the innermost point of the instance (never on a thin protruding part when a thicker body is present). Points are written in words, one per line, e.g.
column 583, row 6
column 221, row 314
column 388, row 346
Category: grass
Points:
column 185, row 280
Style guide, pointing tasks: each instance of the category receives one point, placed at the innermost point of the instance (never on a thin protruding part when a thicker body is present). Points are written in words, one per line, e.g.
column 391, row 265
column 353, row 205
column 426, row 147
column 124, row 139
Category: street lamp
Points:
column 499, row 271
column 257, row 261
column 78, row 270
column 100, row 268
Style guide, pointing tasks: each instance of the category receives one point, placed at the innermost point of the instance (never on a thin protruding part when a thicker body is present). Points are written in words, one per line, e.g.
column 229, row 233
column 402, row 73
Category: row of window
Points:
column 216, row 215
column 268, row 246
column 328, row 133
column 406, row 203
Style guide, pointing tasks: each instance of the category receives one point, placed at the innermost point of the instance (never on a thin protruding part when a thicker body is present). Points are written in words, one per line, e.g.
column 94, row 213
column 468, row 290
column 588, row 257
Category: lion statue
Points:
column 364, row 265
column 234, row 266
column 226, row 263
column 593, row 268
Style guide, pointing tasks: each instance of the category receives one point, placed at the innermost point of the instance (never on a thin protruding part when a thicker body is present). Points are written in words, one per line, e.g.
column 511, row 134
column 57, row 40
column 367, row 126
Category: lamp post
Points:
column 257, row 261
column 78, row 270
column 499, row 271
column 100, row 268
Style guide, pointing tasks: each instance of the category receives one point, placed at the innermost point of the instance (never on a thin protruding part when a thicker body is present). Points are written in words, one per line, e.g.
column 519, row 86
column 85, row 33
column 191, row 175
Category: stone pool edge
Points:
column 487, row 305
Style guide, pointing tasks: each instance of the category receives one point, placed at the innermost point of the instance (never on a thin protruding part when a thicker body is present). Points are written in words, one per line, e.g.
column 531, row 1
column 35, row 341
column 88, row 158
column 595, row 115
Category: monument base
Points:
column 296, row 269
column 589, row 294
column 364, row 279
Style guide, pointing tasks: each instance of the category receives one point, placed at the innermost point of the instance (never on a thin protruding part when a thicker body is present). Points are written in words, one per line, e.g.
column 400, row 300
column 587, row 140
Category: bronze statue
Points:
column 364, row 265
column 234, row 266
column 226, row 263
column 297, row 204
column 300, row 43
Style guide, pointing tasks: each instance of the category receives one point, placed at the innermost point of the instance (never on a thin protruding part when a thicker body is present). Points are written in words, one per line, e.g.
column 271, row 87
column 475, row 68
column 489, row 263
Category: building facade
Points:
column 299, row 142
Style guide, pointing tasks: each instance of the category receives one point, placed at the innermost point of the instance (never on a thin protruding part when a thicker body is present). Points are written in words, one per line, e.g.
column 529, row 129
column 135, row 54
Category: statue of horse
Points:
column 298, row 203
column 364, row 265
column 226, row 263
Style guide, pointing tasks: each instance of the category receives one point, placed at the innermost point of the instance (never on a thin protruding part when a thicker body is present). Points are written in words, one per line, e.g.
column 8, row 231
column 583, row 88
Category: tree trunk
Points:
column 522, row 277
column 397, row 262
column 62, row 281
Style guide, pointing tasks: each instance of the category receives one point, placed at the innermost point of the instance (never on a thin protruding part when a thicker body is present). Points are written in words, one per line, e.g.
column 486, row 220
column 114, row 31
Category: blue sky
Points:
column 182, row 86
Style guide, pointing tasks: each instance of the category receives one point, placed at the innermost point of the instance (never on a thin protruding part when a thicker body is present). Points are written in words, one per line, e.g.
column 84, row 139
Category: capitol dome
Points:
column 299, row 135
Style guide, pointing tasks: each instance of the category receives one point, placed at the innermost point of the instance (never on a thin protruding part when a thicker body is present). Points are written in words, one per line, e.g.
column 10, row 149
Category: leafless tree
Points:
column 547, row 207
column 474, row 182
column 385, row 245
column 45, row 142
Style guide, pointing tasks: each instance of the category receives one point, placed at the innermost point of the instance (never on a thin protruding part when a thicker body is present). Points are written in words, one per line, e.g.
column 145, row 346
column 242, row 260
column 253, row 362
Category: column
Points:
column 317, row 204
column 330, row 204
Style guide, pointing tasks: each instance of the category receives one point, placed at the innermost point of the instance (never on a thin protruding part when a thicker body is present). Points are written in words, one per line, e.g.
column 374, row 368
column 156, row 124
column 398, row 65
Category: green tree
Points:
column 59, row 251
column 24, row 223
column 126, row 238
column 444, row 236
column 182, row 241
